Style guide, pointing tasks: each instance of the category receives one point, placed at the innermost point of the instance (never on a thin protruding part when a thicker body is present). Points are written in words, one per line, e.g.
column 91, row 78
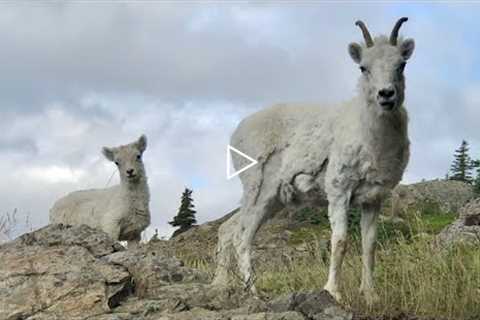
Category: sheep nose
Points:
column 130, row 172
column 386, row 93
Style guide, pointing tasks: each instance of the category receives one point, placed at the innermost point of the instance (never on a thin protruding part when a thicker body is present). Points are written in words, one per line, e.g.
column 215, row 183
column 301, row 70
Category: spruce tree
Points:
column 185, row 217
column 462, row 165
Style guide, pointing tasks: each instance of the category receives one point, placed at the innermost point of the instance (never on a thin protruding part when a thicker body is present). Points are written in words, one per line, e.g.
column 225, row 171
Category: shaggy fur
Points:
column 122, row 211
column 350, row 154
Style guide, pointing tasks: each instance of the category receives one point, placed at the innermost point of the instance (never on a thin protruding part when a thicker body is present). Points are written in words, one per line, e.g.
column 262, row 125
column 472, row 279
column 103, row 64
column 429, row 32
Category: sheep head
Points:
column 128, row 159
column 382, row 61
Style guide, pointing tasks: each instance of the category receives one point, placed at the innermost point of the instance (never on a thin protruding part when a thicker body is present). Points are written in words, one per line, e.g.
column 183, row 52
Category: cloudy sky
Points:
column 80, row 75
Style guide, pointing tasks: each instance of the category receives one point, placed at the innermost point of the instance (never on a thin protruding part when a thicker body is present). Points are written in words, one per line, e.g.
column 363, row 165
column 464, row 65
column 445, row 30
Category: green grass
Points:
column 312, row 216
column 435, row 223
column 308, row 234
column 411, row 278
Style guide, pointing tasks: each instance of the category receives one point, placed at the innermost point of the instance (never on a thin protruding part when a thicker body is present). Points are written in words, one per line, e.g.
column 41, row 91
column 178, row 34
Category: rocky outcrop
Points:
column 448, row 195
column 59, row 271
column 79, row 273
column 151, row 271
column 466, row 228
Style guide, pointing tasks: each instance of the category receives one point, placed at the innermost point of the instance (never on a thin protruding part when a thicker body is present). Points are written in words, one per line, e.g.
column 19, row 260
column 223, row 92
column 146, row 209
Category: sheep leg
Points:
column 337, row 212
column 249, row 225
column 238, row 234
column 225, row 249
column 368, row 225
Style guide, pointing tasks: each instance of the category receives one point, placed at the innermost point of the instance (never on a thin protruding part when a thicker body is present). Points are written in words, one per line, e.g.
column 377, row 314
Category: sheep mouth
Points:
column 387, row 105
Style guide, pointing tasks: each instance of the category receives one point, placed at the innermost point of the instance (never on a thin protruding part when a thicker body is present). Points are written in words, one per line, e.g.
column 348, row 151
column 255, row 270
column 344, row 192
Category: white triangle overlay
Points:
column 229, row 159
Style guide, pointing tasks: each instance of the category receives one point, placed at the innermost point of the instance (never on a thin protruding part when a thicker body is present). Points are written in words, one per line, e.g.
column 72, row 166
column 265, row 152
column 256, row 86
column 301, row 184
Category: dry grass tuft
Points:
column 413, row 276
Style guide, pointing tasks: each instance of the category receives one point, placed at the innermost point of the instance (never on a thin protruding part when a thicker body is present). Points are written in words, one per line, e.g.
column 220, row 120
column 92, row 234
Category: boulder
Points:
column 56, row 272
column 466, row 228
column 316, row 305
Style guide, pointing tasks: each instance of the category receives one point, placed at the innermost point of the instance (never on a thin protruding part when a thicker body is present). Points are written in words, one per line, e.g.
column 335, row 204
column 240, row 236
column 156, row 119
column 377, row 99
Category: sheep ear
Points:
column 355, row 51
column 142, row 143
column 108, row 153
column 406, row 48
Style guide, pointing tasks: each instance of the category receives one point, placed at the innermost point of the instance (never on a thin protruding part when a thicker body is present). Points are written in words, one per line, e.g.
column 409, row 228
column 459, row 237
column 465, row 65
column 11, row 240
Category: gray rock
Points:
column 194, row 314
column 289, row 315
column 116, row 316
column 203, row 314
column 40, row 279
column 151, row 270
column 97, row 242
column 466, row 228
column 318, row 304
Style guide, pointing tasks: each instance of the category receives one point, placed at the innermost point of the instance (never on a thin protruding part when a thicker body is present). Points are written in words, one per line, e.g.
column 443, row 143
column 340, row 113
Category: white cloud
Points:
column 54, row 174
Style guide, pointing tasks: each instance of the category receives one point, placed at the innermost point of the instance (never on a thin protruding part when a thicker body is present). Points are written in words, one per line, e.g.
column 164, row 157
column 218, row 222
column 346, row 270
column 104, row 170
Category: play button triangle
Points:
column 230, row 171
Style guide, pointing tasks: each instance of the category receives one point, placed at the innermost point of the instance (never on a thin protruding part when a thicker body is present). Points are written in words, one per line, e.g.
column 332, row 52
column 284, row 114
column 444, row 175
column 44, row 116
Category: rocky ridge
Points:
column 79, row 273
column 448, row 195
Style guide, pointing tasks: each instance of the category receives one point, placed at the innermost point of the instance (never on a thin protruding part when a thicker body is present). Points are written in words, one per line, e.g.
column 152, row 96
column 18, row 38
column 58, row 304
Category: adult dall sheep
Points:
column 122, row 211
column 350, row 155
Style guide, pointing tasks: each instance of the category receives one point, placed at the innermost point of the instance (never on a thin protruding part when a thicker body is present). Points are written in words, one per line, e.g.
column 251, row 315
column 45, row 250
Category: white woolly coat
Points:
column 348, row 150
column 120, row 211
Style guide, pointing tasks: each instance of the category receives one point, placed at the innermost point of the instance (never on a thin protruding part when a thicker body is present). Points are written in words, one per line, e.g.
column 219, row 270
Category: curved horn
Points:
column 394, row 35
column 366, row 34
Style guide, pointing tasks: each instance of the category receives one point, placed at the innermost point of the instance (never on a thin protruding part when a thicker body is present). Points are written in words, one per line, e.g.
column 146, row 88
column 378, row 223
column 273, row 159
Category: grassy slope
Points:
column 413, row 276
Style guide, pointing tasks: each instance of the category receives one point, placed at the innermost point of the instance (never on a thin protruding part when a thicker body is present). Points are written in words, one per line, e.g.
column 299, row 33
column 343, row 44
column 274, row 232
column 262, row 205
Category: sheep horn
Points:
column 366, row 34
column 394, row 35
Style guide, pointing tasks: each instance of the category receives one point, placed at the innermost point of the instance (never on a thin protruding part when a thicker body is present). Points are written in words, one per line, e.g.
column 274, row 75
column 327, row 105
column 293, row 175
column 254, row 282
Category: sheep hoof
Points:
column 334, row 293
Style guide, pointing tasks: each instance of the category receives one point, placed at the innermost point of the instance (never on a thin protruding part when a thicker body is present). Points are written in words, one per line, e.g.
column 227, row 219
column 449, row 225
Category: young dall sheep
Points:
column 122, row 211
column 351, row 155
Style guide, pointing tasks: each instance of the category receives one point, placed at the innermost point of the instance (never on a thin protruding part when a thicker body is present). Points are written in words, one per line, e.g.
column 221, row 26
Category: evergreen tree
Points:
column 185, row 217
column 462, row 165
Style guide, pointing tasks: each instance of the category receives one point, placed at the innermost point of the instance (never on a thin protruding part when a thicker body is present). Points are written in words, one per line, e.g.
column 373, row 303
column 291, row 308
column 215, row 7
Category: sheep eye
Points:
column 401, row 67
column 116, row 162
column 363, row 69
column 139, row 157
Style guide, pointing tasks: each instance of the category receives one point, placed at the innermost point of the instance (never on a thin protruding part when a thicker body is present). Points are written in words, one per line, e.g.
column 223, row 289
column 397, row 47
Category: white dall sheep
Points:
column 122, row 211
column 353, row 154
